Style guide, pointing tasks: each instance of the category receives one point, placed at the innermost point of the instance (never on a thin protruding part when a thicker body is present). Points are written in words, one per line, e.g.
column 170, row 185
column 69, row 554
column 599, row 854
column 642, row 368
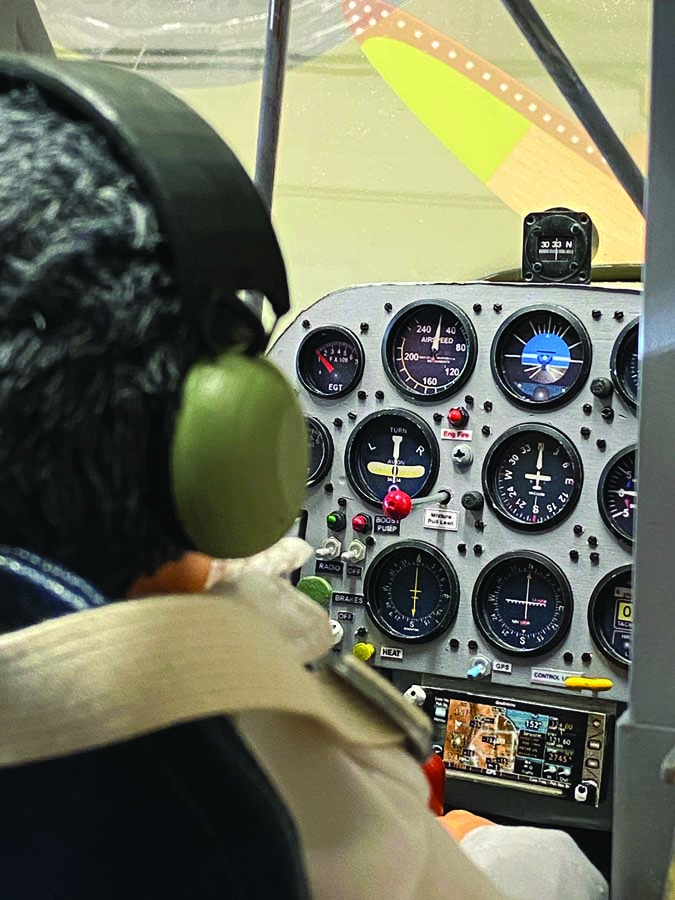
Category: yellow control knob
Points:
column 579, row 683
column 363, row 651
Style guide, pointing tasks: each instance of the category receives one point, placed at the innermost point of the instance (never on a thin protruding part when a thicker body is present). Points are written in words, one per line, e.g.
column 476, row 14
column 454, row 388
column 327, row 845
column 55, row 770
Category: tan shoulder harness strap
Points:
column 109, row 674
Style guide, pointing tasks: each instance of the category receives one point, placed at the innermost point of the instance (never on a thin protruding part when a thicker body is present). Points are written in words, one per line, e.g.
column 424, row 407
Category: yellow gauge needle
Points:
column 415, row 591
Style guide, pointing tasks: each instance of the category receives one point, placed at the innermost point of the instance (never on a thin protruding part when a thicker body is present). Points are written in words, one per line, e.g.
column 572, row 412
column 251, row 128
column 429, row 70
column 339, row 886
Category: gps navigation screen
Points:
column 549, row 750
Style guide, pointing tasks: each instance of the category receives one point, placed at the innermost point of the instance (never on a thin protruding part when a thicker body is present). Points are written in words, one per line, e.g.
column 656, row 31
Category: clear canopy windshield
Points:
column 414, row 136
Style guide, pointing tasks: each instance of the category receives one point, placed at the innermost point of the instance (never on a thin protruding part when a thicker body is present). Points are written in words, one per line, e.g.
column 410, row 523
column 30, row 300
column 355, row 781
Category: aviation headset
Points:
column 238, row 454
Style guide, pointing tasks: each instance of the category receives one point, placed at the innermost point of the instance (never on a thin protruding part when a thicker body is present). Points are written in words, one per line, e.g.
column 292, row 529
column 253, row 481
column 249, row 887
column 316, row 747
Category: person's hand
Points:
column 459, row 823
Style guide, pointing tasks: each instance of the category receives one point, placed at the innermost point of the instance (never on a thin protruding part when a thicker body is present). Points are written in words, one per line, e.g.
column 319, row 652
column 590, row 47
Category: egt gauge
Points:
column 392, row 448
column 532, row 477
column 625, row 365
column 412, row 592
column 617, row 494
column 541, row 357
column 429, row 350
column 330, row 362
column 522, row 603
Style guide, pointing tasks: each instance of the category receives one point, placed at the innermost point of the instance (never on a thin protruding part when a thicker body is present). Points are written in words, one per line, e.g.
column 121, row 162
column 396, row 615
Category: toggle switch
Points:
column 480, row 667
column 355, row 552
column 329, row 549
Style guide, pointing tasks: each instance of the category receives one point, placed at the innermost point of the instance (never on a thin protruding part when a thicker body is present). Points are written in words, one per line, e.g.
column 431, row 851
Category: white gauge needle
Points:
column 540, row 458
column 436, row 343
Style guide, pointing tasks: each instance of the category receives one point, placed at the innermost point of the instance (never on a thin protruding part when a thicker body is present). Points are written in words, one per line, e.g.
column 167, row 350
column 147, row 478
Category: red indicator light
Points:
column 458, row 416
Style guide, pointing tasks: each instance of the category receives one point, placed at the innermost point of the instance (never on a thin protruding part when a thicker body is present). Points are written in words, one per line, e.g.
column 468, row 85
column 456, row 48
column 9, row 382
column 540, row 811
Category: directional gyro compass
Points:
column 391, row 449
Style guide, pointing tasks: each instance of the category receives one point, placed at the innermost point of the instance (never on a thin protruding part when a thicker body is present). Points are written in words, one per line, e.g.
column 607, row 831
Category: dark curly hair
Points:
column 94, row 347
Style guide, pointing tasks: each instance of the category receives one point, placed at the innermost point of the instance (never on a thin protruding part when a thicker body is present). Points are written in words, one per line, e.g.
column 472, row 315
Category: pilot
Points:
column 99, row 341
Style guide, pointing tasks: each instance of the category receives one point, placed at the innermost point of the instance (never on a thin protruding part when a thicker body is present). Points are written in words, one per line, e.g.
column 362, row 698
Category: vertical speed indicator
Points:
column 429, row 350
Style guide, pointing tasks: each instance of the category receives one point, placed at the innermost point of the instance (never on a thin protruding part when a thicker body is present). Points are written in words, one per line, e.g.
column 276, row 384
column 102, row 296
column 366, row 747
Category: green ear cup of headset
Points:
column 239, row 456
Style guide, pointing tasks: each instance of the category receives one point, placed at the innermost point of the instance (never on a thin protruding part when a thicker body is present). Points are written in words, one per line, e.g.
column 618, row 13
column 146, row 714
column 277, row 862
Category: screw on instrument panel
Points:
column 351, row 416
column 578, row 529
column 607, row 413
column 438, row 417
column 461, row 548
column 478, row 549
column 587, row 408
column 370, row 540
column 305, row 323
column 594, row 557
column 485, row 430
column 364, row 326
column 379, row 395
column 597, row 314
column 587, row 658
column 328, row 487
column 337, row 421
column 601, row 444
column 454, row 644
column 478, row 308
column 468, row 399
column 388, row 307
column 497, row 307
column 574, row 555
column 585, row 432
column 592, row 540
column 362, row 395
column 487, row 406
column 342, row 501
column 568, row 657
column 480, row 525
column 473, row 646
column 618, row 315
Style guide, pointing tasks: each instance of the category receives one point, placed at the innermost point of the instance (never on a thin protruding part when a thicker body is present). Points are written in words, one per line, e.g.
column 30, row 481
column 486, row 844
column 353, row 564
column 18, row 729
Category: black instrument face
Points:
column 320, row 451
column 532, row 477
column 412, row 591
column 522, row 603
column 617, row 494
column 330, row 362
column 391, row 448
column 541, row 357
column 610, row 615
column 624, row 364
column 429, row 350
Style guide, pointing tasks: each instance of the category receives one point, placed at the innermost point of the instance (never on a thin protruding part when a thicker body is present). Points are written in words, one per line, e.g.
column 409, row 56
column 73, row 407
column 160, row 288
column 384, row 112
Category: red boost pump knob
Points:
column 362, row 523
column 458, row 417
column 397, row 504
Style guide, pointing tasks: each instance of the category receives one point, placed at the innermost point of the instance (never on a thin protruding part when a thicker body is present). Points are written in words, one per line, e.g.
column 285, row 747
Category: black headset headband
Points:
column 218, row 230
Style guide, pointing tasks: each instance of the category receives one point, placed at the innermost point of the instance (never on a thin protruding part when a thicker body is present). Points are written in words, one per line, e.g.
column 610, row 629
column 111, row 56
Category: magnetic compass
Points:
column 429, row 350
column 617, row 494
column 624, row 364
column 391, row 448
column 522, row 603
column 320, row 450
column 541, row 357
column 411, row 591
column 532, row 476
column 610, row 615
column 330, row 362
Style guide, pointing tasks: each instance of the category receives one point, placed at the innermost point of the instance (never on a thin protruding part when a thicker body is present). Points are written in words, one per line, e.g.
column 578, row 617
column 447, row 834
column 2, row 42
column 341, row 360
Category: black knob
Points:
column 601, row 387
column 472, row 500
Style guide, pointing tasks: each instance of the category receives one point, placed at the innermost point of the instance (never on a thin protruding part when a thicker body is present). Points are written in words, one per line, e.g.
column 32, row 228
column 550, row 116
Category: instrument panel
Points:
column 499, row 421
